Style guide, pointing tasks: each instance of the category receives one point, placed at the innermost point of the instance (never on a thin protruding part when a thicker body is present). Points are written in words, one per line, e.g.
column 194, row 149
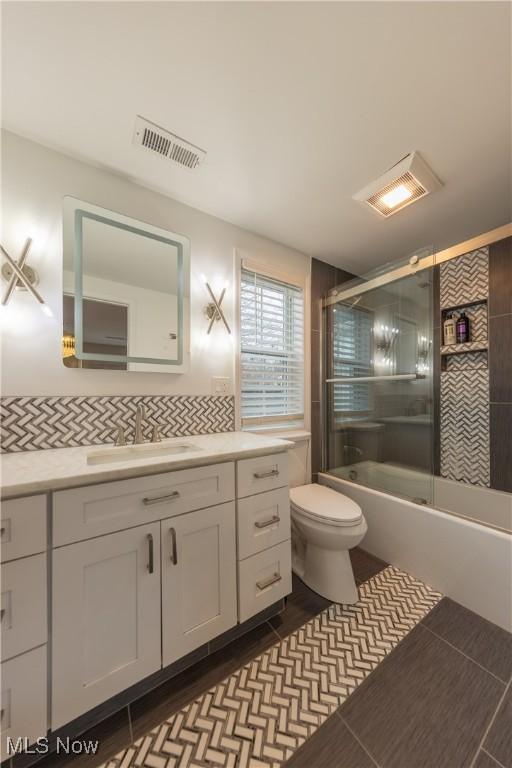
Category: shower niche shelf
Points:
column 459, row 349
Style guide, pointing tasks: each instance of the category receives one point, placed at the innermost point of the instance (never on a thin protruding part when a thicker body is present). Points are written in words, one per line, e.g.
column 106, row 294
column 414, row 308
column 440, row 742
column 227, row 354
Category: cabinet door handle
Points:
column 151, row 558
column 266, row 523
column 147, row 500
column 174, row 549
column 2, row 613
column 268, row 582
column 2, row 530
column 270, row 473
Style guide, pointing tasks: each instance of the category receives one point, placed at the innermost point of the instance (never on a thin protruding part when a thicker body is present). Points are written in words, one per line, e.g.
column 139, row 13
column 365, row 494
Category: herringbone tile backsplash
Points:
column 33, row 423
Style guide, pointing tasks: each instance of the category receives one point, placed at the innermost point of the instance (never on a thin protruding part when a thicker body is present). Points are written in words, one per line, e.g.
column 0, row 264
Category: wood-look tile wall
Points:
column 500, row 363
column 324, row 277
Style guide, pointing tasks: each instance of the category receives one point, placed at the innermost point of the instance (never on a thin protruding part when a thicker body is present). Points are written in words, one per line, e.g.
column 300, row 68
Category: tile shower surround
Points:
column 35, row 423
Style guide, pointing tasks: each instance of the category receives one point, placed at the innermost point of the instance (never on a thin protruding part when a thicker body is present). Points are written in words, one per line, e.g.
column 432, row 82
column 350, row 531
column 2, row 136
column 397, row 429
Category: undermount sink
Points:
column 132, row 452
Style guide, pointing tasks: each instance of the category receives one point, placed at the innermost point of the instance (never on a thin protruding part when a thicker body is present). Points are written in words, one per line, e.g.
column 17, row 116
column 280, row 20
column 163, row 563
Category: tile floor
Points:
column 441, row 699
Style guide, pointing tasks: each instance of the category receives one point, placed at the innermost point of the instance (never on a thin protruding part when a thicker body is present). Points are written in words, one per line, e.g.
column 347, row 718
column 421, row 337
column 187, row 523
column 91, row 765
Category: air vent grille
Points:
column 167, row 144
column 407, row 181
column 156, row 142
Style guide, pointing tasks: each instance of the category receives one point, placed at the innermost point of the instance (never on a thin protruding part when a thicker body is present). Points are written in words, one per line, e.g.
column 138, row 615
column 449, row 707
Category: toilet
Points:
column 325, row 525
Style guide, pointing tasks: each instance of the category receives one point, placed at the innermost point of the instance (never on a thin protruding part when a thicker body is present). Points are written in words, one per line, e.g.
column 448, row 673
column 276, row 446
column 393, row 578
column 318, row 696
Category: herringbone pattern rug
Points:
column 33, row 423
column 263, row 712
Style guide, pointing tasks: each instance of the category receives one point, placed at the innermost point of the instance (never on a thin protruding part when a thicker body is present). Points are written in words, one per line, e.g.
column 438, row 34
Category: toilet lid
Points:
column 323, row 503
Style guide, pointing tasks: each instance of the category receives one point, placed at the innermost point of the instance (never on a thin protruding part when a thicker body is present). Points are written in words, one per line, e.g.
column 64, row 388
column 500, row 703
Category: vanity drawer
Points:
column 264, row 473
column 84, row 513
column 23, row 527
column 23, row 611
column 263, row 579
column 23, row 700
column 263, row 521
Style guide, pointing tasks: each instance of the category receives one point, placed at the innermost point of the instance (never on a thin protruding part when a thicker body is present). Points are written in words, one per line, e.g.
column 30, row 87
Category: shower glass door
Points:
column 378, row 396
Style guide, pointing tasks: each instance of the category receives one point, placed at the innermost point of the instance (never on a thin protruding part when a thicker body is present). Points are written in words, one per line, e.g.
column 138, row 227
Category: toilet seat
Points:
column 323, row 504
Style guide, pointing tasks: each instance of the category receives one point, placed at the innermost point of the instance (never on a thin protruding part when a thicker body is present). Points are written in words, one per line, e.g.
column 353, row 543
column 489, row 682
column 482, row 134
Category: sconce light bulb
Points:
column 46, row 309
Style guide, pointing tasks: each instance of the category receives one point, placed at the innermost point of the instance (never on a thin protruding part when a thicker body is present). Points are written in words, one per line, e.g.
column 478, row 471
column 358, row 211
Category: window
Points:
column 271, row 350
column 352, row 356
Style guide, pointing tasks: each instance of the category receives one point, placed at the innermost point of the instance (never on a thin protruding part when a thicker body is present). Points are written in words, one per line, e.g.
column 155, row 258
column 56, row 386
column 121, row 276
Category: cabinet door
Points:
column 198, row 579
column 23, row 700
column 106, row 618
column 23, row 613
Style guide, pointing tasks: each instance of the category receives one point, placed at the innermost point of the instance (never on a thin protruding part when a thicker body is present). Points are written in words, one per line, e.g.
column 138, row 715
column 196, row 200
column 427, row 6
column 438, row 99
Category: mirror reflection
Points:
column 125, row 292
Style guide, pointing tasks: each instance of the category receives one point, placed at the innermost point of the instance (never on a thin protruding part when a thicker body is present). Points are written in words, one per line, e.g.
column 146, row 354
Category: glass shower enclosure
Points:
column 378, row 380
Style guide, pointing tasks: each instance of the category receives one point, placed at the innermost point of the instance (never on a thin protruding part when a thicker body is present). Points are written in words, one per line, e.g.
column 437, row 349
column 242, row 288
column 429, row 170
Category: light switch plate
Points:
column 221, row 385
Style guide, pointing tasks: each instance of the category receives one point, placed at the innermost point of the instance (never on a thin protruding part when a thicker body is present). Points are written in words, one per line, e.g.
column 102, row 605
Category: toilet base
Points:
column 329, row 573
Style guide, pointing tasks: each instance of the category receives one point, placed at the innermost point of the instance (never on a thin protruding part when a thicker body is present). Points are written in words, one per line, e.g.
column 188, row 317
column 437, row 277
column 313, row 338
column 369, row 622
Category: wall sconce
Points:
column 18, row 274
column 213, row 310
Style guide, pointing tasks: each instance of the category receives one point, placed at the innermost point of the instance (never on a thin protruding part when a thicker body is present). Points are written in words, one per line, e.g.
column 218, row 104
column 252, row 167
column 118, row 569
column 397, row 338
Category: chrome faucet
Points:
column 140, row 415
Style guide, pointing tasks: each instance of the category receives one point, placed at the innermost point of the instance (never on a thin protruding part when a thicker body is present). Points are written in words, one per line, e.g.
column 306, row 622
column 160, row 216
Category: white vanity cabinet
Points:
column 198, row 579
column 264, row 533
column 144, row 570
column 106, row 618
column 23, row 620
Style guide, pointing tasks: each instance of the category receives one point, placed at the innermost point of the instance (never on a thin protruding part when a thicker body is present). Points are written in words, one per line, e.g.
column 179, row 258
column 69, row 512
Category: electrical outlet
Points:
column 221, row 385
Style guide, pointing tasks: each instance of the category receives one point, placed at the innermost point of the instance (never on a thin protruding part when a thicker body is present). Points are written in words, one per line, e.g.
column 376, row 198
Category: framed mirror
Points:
column 126, row 291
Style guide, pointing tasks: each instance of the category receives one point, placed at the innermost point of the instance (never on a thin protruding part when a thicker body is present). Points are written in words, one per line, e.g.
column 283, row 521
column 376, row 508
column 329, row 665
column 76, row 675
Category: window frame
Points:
column 295, row 280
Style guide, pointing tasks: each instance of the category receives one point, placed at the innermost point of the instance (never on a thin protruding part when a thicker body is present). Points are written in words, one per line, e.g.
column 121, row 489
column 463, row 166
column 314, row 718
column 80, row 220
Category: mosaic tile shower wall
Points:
column 464, row 391
column 34, row 423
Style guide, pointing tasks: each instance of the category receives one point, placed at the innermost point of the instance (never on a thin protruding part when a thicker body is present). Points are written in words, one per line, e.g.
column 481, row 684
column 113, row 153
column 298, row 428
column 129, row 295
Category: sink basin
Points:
column 133, row 452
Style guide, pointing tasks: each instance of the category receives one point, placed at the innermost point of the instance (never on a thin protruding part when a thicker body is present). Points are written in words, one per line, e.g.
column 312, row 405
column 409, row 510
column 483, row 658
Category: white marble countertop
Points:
column 30, row 472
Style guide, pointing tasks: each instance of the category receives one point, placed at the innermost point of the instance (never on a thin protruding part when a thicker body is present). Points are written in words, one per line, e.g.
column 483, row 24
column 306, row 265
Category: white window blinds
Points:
column 352, row 356
column 272, row 350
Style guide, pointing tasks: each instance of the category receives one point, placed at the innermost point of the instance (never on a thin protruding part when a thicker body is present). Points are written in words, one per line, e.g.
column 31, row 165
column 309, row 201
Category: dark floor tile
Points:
column 157, row 705
column 113, row 735
column 485, row 761
column 301, row 605
column 365, row 565
column 425, row 706
column 482, row 641
column 332, row 746
column 499, row 739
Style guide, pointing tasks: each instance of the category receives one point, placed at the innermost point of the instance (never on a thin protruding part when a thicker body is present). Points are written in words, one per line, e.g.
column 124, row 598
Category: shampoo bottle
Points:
column 449, row 329
column 462, row 329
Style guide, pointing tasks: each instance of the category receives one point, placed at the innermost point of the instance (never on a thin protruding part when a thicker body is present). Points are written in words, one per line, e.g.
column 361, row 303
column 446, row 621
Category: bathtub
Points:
column 390, row 478
column 466, row 560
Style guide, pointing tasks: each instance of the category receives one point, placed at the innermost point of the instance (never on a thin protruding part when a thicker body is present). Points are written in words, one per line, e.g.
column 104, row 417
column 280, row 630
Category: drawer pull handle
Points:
column 268, row 582
column 174, row 550
column 151, row 559
column 270, row 473
column 266, row 523
column 147, row 501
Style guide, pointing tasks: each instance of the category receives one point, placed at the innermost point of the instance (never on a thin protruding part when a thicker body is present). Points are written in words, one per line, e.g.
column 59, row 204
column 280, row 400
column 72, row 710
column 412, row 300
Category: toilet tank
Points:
column 299, row 459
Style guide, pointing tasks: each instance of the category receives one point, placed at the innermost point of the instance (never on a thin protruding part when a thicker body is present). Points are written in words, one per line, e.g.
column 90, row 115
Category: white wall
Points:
column 34, row 182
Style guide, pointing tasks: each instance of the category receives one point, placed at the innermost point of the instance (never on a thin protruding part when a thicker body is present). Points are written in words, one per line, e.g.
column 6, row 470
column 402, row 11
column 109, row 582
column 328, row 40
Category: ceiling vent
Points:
column 166, row 144
column 405, row 182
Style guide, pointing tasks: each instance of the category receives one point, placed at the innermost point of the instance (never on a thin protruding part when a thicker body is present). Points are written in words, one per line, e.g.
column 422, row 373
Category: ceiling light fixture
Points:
column 407, row 181
column 396, row 196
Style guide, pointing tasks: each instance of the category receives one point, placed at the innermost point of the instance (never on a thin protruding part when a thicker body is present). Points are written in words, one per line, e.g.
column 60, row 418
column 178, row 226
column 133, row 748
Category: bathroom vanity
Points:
column 116, row 569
